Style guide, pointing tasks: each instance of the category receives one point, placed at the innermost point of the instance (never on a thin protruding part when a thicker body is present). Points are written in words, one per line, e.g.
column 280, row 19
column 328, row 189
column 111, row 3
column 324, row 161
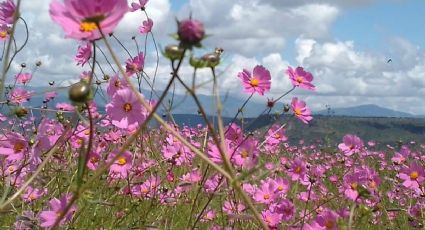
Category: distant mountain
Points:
column 368, row 110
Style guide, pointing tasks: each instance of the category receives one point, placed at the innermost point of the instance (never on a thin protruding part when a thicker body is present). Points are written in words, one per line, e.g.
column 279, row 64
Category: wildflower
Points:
column 301, row 111
column 297, row 170
column 275, row 135
column 64, row 106
column 412, row 176
column 4, row 32
column 287, row 209
column 137, row 6
column 32, row 194
column 328, row 220
column 135, row 65
column 190, row 32
column 146, row 27
column 80, row 19
column 351, row 144
column 115, row 83
column 121, row 166
column 19, row 96
column 229, row 207
column 272, row 219
column 57, row 206
column 266, row 193
column 125, row 110
column 23, row 78
column 259, row 81
column 50, row 95
column 246, row 155
column 14, row 146
column 83, row 54
column 300, row 78
column 7, row 12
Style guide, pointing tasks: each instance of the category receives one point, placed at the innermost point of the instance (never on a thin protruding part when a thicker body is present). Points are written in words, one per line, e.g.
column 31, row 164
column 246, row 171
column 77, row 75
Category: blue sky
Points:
column 344, row 43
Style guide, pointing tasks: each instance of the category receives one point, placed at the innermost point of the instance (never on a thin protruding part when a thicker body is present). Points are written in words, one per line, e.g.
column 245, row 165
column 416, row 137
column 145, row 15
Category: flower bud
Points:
column 190, row 32
column 79, row 92
column 21, row 112
column 173, row 52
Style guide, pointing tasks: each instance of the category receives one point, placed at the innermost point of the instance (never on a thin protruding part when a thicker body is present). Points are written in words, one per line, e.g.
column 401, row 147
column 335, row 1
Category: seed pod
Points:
column 79, row 92
column 21, row 112
column 173, row 52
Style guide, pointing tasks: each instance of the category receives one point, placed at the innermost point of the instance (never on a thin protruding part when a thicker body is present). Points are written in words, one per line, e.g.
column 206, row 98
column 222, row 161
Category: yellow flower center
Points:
column 145, row 190
column 3, row 34
column 268, row 219
column 32, row 197
column 329, row 224
column 94, row 160
column 297, row 111
column 354, row 186
column 87, row 132
column 280, row 188
column 254, row 82
column 244, row 154
column 11, row 168
column 298, row 169
column 266, row 196
column 18, row 147
column 122, row 161
column 414, row 175
column 58, row 214
column 299, row 79
column 372, row 185
column 127, row 107
column 80, row 141
column 276, row 135
column 87, row 26
column 117, row 84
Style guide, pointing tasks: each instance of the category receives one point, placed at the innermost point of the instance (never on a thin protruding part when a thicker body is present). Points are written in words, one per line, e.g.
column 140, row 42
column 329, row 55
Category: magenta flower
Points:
column 272, row 219
column 57, row 206
column 80, row 18
column 266, row 194
column 351, row 144
column 190, row 31
column 275, row 135
column 412, row 176
column 301, row 111
column 83, row 54
column 246, row 155
column 300, row 78
column 259, row 81
column 297, row 170
column 287, row 209
column 4, row 32
column 31, row 194
column 23, row 78
column 135, row 65
column 121, row 166
column 328, row 220
column 115, row 84
column 146, row 27
column 14, row 146
column 138, row 6
column 19, row 96
column 64, row 106
column 125, row 110
column 7, row 12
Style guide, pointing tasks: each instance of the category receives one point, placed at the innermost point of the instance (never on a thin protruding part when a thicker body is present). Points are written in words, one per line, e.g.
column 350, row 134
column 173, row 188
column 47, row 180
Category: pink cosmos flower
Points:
column 328, row 220
column 412, row 176
column 125, row 110
column 23, row 78
column 121, row 166
column 135, row 65
column 234, row 133
column 19, row 96
column 83, row 54
column 214, row 152
column 93, row 161
column 229, row 207
column 7, row 12
column 301, row 111
column 14, row 146
column 246, row 155
column 300, row 78
column 31, row 194
column 276, row 135
column 272, row 219
column 4, row 32
column 64, row 106
column 351, row 144
column 146, row 27
column 259, row 81
column 297, row 170
column 266, row 194
column 57, row 206
column 287, row 209
column 50, row 95
column 115, row 83
column 80, row 18
column 137, row 6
